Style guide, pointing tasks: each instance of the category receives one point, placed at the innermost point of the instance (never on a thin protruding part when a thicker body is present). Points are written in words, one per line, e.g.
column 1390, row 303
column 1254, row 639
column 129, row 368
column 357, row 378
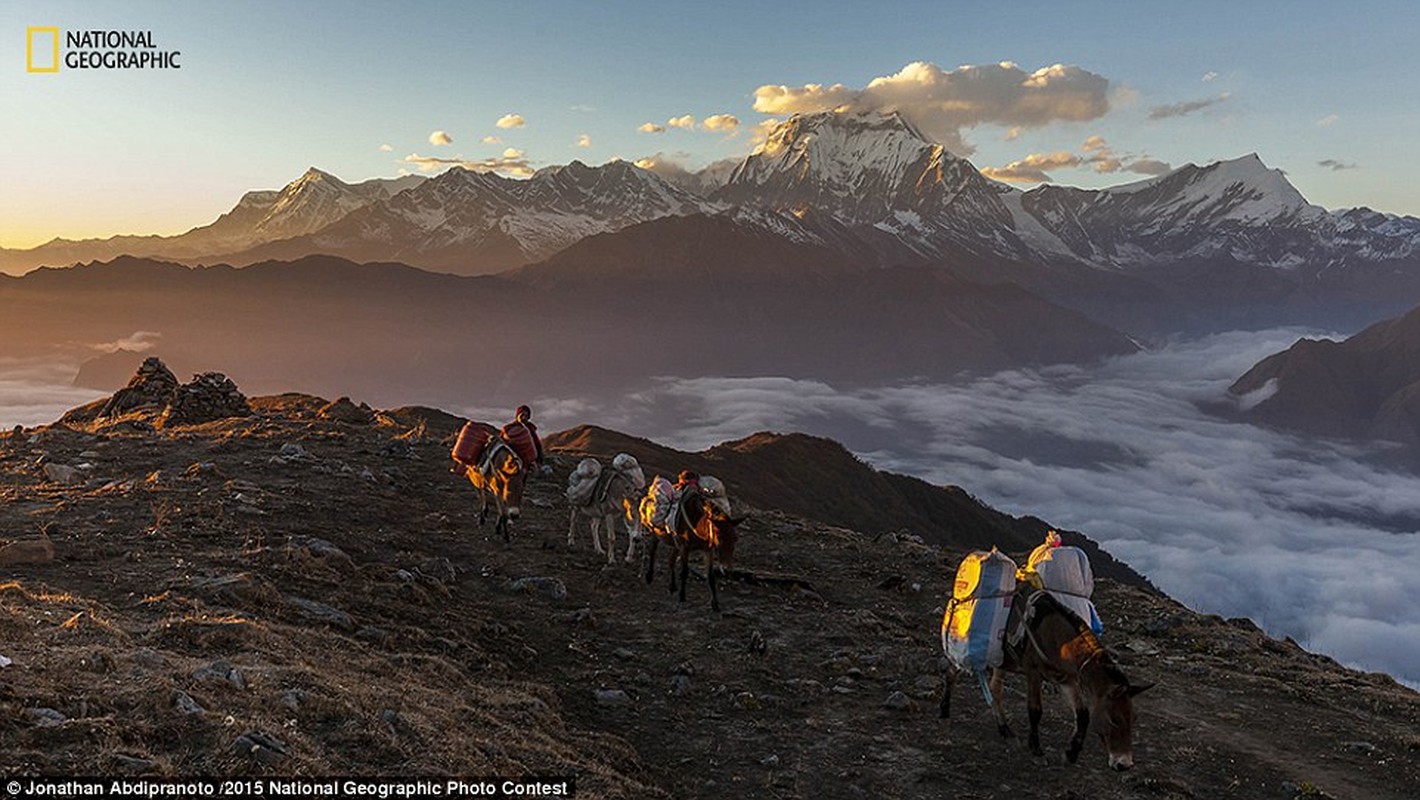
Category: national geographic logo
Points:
column 102, row 50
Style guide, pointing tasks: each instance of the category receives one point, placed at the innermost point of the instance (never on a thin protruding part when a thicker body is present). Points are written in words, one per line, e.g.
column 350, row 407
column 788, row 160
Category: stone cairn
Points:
column 152, row 386
column 154, row 389
column 207, row 397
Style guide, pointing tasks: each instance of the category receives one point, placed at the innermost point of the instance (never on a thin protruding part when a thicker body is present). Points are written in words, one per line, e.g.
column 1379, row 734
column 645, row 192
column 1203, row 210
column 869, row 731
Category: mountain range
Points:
column 391, row 332
column 1230, row 244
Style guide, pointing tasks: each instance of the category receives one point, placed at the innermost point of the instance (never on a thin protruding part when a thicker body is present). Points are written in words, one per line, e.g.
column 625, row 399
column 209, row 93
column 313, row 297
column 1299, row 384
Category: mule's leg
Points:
column 651, row 557
column 503, row 522
column 631, row 537
column 483, row 507
column 1082, row 721
column 998, row 681
column 710, row 576
column 684, row 570
column 572, row 528
column 596, row 525
column 949, row 682
column 610, row 522
column 1033, row 709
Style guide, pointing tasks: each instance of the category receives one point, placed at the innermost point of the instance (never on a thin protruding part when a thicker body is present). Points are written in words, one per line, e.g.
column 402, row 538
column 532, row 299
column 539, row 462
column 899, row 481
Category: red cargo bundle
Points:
column 518, row 437
column 472, row 441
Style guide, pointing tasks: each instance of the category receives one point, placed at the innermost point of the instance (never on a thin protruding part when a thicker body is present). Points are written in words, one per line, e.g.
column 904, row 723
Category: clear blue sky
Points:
column 267, row 89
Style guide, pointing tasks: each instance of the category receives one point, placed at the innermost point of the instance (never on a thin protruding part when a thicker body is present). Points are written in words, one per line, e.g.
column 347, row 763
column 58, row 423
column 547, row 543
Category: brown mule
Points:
column 500, row 476
column 1054, row 644
column 698, row 525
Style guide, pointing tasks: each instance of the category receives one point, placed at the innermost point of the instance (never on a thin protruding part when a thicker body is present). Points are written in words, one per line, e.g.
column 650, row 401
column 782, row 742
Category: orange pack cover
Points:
column 518, row 437
column 472, row 441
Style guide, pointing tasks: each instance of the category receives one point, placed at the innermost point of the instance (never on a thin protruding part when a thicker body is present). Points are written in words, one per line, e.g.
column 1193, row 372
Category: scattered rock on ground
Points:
column 551, row 588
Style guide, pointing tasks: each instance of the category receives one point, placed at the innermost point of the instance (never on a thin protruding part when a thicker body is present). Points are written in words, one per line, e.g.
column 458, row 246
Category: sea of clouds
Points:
column 1311, row 540
column 38, row 392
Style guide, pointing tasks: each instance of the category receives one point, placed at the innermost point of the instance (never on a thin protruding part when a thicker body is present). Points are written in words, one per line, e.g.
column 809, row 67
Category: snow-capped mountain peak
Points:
column 875, row 170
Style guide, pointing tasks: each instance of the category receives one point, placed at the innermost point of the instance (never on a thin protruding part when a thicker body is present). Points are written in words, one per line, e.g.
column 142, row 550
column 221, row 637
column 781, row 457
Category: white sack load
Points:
column 974, row 625
column 583, row 481
column 626, row 464
column 1065, row 573
column 656, row 505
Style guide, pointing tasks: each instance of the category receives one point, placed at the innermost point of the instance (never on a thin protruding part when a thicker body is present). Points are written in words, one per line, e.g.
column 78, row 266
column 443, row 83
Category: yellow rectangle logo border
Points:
column 30, row 49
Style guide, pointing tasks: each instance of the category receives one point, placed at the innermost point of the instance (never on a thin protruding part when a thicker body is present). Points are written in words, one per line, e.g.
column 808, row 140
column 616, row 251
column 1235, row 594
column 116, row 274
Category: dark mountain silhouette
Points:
column 1367, row 386
column 396, row 333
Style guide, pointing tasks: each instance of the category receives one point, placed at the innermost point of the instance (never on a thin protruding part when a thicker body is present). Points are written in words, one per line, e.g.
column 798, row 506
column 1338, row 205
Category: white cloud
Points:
column 386, row 148
column 1096, row 154
column 651, row 127
column 511, row 121
column 943, row 103
column 1187, row 107
column 1334, row 165
column 440, row 137
column 761, row 130
column 38, row 393
column 683, row 122
column 492, row 140
column 582, row 108
column 513, row 152
column 584, row 140
column 138, row 342
column 1328, row 120
column 517, row 165
column 1148, row 166
column 721, row 122
column 1209, row 76
column 1013, row 134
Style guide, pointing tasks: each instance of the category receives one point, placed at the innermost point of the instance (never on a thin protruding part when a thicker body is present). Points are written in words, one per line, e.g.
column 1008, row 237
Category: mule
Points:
column 1056, row 645
column 501, row 476
column 610, row 500
column 699, row 524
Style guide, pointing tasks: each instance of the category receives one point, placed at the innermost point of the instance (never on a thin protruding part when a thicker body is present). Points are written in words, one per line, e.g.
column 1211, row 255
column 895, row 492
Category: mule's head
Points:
column 632, row 513
column 1112, row 716
column 726, row 532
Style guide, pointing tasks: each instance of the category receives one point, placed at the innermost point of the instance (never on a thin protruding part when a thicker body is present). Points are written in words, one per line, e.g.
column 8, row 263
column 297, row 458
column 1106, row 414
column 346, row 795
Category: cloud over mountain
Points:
column 944, row 103
column 512, row 162
column 1095, row 153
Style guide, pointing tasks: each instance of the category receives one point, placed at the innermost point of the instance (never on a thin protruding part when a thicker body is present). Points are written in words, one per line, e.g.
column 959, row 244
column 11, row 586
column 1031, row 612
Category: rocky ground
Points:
column 306, row 591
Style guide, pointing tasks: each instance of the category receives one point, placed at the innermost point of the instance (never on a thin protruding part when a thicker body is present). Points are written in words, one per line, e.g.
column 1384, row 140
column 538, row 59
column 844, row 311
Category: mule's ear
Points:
column 1133, row 690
